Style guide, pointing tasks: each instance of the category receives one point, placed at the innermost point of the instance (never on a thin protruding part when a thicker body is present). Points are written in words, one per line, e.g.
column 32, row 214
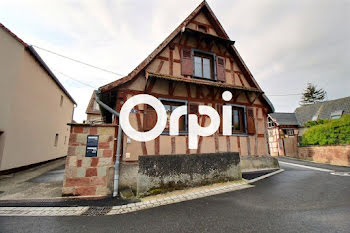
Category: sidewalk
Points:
column 146, row 203
column 44, row 181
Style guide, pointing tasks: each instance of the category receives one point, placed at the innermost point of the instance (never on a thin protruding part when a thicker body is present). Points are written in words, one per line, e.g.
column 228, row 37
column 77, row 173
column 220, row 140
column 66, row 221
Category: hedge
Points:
column 329, row 132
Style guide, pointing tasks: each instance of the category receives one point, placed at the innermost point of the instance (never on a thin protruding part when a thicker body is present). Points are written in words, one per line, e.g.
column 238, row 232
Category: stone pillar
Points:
column 89, row 176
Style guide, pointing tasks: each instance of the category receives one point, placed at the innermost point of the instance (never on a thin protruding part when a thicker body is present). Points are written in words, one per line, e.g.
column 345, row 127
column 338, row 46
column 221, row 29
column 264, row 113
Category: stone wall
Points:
column 89, row 176
column 162, row 173
column 336, row 155
column 258, row 163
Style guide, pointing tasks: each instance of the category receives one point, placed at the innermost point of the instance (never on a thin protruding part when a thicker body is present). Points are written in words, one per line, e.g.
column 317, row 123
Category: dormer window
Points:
column 203, row 65
column 202, row 28
column 336, row 114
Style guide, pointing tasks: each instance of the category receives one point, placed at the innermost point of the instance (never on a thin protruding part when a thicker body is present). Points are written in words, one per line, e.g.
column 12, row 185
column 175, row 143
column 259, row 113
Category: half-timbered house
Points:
column 192, row 67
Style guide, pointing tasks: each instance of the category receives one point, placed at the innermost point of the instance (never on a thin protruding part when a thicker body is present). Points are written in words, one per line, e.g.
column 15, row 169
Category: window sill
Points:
column 201, row 78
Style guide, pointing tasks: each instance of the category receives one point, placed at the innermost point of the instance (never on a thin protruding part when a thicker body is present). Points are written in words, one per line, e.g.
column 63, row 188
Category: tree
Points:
column 312, row 95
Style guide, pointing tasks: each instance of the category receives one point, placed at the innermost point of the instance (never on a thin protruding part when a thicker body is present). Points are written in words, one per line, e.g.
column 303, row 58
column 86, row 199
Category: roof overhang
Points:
column 201, row 82
column 209, row 37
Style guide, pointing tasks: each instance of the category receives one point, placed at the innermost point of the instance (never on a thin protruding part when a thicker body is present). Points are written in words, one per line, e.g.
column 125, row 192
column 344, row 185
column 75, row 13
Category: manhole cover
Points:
column 341, row 173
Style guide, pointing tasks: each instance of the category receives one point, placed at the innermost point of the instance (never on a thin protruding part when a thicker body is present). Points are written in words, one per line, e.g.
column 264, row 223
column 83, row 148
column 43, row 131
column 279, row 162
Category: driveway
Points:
column 44, row 181
column 297, row 200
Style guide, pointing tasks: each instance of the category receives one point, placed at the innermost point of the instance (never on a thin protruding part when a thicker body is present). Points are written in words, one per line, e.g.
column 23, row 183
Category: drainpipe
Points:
column 116, row 166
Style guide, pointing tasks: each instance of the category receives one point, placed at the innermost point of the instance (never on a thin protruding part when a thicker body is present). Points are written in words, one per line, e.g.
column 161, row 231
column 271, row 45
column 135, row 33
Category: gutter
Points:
column 119, row 137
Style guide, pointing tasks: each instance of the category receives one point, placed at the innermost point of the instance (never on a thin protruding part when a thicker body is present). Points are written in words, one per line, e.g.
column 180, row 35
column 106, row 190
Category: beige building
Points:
column 35, row 107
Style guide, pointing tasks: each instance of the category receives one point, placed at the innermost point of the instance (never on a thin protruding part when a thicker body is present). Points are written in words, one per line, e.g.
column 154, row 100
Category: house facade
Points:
column 283, row 129
column 192, row 67
column 35, row 107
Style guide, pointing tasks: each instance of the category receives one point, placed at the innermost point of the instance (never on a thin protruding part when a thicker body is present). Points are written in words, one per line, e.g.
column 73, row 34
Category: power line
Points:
column 105, row 70
column 75, row 60
column 88, row 85
column 283, row 95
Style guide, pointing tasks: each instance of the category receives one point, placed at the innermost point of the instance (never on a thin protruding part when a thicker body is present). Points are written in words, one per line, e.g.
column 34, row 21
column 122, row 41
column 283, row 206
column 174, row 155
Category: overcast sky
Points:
column 284, row 43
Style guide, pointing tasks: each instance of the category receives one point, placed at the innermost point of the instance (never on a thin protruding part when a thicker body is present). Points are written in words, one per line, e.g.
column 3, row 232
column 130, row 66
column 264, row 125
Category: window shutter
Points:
column 186, row 61
column 193, row 108
column 250, row 121
column 149, row 118
column 219, row 109
column 220, row 69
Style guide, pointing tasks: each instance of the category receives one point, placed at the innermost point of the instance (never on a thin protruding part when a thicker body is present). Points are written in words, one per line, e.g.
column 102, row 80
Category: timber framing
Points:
column 222, row 35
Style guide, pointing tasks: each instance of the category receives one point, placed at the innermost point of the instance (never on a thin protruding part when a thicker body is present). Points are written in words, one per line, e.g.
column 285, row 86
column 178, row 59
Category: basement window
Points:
column 56, row 140
column 203, row 65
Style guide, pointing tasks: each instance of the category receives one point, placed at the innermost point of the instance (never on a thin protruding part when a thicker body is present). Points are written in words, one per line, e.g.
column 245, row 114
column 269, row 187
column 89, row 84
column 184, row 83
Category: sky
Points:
column 285, row 44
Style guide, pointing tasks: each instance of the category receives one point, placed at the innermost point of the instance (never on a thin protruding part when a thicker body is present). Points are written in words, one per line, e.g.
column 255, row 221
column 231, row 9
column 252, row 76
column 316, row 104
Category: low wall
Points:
column 258, row 163
column 128, row 176
column 160, row 173
column 335, row 155
column 89, row 176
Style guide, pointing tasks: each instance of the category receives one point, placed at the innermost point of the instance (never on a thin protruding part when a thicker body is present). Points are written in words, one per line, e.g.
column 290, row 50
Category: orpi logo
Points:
column 194, row 129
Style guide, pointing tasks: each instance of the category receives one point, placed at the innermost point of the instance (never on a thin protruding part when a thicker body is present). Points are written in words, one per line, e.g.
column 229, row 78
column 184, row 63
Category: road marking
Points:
column 307, row 167
column 265, row 176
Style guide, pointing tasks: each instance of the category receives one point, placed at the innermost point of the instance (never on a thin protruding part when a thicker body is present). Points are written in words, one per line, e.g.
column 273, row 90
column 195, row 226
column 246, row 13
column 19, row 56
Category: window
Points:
column 336, row 114
column 289, row 132
column 170, row 106
column 56, row 140
column 202, row 28
column 270, row 123
column 61, row 101
column 238, row 120
column 203, row 65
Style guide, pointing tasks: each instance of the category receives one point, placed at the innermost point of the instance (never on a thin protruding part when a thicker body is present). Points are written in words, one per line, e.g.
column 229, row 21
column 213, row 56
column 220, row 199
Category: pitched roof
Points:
column 283, row 118
column 221, row 34
column 36, row 56
column 90, row 108
column 322, row 110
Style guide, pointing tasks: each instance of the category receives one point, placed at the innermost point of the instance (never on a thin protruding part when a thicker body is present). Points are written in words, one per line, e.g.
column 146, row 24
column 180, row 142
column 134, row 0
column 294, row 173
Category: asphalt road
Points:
column 296, row 200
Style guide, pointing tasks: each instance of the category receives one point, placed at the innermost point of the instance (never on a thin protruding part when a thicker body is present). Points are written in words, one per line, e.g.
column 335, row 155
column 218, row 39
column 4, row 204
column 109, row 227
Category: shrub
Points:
column 309, row 124
column 329, row 132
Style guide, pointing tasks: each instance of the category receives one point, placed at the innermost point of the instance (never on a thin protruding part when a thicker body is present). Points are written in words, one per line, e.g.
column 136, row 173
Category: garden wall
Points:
column 335, row 154
column 161, row 173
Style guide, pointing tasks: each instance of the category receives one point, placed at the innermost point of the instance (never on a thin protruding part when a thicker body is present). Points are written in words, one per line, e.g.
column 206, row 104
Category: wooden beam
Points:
column 160, row 66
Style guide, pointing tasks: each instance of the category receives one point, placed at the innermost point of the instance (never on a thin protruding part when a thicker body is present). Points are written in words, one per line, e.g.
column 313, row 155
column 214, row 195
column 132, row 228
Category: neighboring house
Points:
column 331, row 109
column 192, row 67
column 93, row 114
column 283, row 134
column 35, row 107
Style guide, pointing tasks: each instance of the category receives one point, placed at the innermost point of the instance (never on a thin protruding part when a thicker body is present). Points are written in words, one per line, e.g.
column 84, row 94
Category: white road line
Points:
column 265, row 176
column 307, row 167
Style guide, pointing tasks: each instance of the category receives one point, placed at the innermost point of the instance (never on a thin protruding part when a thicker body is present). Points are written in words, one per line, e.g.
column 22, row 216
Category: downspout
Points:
column 119, row 137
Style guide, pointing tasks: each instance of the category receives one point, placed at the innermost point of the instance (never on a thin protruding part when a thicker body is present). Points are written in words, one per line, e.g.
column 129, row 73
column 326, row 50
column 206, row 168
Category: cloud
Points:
column 284, row 43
